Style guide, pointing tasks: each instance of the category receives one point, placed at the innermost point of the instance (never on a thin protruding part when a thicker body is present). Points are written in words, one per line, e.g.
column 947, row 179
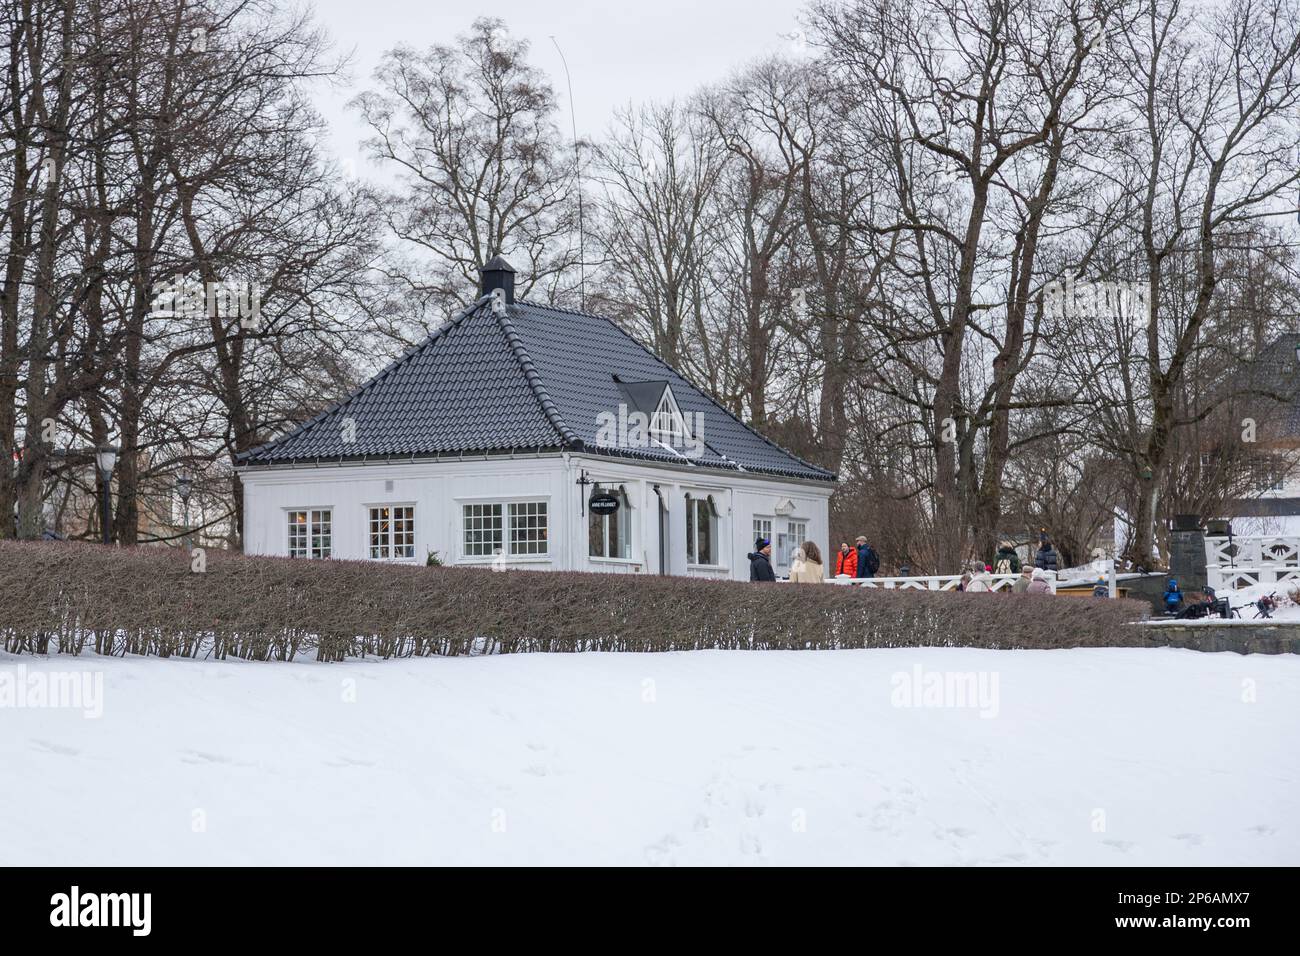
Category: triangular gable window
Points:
column 667, row 424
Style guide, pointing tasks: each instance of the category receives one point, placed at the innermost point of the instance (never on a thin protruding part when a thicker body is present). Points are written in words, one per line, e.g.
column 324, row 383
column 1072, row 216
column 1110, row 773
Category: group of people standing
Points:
column 1033, row 579
column 861, row 561
column 980, row 578
column 806, row 566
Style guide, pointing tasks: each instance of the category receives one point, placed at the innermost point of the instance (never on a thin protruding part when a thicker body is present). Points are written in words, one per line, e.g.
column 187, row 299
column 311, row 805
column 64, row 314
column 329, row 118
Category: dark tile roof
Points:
column 1268, row 386
column 531, row 378
column 1261, row 508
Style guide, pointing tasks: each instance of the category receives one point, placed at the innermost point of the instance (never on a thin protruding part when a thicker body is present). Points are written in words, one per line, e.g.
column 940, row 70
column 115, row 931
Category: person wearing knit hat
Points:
column 760, row 561
column 1039, row 584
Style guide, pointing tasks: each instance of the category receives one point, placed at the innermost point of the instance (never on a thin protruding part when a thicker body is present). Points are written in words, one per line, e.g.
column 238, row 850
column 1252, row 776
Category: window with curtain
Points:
column 701, row 530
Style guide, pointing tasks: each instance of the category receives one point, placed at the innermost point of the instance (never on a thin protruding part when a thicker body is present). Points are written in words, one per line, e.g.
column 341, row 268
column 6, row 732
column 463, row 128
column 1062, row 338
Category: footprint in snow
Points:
column 1261, row 829
column 661, row 853
column 55, row 748
column 1122, row 845
column 537, row 770
column 888, row 815
column 1041, row 847
column 198, row 756
column 1192, row 839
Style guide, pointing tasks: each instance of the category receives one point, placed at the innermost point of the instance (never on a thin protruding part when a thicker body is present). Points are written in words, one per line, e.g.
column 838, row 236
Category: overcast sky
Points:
column 618, row 50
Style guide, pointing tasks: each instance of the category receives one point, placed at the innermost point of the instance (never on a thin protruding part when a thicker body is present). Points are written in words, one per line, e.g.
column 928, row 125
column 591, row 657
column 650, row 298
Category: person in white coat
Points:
column 980, row 580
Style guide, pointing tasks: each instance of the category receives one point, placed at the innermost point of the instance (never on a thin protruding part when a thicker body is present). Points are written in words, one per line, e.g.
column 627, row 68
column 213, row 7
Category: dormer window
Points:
column 667, row 424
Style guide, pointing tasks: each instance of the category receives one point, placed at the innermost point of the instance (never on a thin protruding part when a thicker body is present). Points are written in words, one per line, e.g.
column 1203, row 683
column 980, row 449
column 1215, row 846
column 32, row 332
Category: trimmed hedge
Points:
column 66, row 597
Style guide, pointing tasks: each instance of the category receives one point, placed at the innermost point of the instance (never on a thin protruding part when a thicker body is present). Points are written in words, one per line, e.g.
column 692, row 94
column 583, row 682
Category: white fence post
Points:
column 934, row 582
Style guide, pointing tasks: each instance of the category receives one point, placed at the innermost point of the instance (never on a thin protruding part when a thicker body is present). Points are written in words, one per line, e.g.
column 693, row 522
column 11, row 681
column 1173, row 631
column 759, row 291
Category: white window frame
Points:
column 494, row 547
column 1266, row 475
column 759, row 522
column 316, row 516
column 668, row 411
column 623, row 515
column 504, row 502
column 391, row 543
column 545, row 526
column 694, row 498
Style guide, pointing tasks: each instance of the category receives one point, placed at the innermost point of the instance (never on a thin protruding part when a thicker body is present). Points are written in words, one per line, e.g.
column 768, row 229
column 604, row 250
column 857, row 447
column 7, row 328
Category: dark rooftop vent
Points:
column 498, row 274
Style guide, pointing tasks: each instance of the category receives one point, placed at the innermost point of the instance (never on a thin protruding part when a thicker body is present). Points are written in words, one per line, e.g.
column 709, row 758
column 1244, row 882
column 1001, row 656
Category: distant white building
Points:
column 525, row 436
column 1271, row 505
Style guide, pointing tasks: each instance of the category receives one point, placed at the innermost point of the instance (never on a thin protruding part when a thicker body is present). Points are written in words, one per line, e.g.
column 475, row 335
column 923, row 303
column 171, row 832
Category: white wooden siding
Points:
column 438, row 489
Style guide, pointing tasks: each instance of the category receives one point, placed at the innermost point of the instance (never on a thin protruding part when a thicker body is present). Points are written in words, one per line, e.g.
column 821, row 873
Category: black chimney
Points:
column 497, row 274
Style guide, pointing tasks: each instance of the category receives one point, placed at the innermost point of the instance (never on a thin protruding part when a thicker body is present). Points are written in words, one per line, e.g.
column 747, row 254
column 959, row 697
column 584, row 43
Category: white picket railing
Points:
column 934, row 582
column 1243, row 561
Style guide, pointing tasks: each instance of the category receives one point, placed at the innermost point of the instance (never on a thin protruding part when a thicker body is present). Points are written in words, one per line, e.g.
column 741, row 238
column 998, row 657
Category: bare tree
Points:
column 482, row 168
column 659, row 174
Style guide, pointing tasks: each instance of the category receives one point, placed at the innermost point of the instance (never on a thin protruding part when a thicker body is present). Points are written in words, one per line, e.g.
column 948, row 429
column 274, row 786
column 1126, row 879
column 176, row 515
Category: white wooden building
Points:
column 488, row 443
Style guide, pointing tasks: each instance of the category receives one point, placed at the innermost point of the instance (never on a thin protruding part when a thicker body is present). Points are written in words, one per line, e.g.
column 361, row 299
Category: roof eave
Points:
column 340, row 461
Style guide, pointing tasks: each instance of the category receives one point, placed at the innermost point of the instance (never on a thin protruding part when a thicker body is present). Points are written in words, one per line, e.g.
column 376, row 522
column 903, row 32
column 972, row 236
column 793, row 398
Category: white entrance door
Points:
column 787, row 541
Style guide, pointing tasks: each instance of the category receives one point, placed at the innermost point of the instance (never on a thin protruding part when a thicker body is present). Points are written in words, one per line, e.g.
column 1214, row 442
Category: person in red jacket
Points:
column 846, row 562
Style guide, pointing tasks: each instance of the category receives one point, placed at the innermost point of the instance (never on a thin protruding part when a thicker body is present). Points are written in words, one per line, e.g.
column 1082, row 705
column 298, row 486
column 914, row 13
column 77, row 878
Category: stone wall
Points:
column 1241, row 638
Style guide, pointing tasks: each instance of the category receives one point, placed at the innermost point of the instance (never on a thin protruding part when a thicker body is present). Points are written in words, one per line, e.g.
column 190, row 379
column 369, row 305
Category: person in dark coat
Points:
column 868, row 560
column 760, row 561
column 1046, row 558
column 1006, row 561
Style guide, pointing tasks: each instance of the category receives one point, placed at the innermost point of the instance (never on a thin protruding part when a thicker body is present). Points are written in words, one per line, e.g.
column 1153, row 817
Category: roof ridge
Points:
column 535, row 383
column 671, row 368
column 365, row 386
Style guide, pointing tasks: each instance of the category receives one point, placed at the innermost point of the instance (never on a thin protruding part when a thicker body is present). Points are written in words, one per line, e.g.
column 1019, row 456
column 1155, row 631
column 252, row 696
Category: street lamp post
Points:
column 184, row 485
column 106, row 460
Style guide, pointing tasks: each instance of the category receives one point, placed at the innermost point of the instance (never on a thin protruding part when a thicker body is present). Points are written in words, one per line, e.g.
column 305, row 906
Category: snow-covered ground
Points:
column 1057, row 757
column 1245, row 598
